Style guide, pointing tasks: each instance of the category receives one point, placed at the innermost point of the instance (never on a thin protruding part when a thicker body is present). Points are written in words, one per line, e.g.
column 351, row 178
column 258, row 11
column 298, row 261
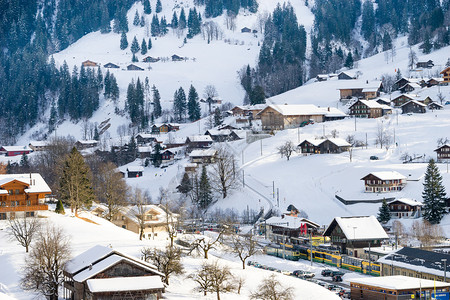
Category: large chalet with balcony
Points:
column 366, row 109
column 404, row 208
column 384, row 182
column 443, row 153
column 22, row 194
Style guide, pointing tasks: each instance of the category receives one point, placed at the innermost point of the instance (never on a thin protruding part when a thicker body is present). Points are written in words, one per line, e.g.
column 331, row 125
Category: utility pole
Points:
column 394, row 135
column 243, row 178
column 366, row 140
column 355, row 122
column 278, row 197
column 273, row 189
column 310, row 245
column 261, row 146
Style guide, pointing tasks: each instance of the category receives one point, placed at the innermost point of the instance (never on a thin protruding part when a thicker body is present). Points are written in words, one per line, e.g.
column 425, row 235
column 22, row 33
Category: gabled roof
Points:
column 413, row 101
column 8, row 180
column 419, row 260
column 38, row 143
column 445, row 70
column 122, row 284
column 295, row 109
column 369, row 103
column 87, row 258
column 200, row 138
column 146, row 135
column 223, row 132
column 358, row 228
column 203, row 153
column 404, row 95
column 435, row 104
column 315, row 142
column 290, row 222
column 387, row 175
column 35, row 182
column 407, row 201
column 16, row 148
column 339, row 142
column 412, row 84
column 443, row 146
column 135, row 169
column 87, row 142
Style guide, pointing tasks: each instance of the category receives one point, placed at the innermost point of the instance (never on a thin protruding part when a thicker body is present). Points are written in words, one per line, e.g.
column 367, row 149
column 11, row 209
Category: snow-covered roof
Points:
column 87, row 258
column 435, row 103
column 200, row 138
column 386, row 107
column 16, row 148
column 38, row 143
column 145, row 135
column 399, row 282
column 412, row 84
column 407, row 201
column 371, row 103
column 414, row 101
column 190, row 165
column 203, row 153
column 145, row 149
column 359, row 228
column 87, row 142
column 36, row 184
column 359, row 85
column 332, row 112
column 289, row 222
column 339, row 142
column 315, row 142
column 388, row 175
column 135, row 169
column 419, row 260
column 225, row 132
column 106, row 263
column 133, row 211
column 297, row 109
column 121, row 284
column 370, row 89
column 252, row 107
column 407, row 96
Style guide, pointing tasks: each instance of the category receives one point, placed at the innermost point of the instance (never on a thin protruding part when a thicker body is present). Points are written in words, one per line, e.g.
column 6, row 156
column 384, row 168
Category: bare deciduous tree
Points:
column 239, row 284
column 140, row 211
column 286, row 149
column 271, row 289
column 383, row 136
column 43, row 271
column 204, row 243
column 24, row 230
column 441, row 97
column 167, row 261
column 110, row 188
column 243, row 247
column 224, row 176
column 427, row 233
column 214, row 279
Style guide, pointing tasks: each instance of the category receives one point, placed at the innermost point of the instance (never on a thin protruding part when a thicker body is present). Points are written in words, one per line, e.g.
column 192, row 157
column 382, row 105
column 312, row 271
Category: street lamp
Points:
column 310, row 245
column 444, row 260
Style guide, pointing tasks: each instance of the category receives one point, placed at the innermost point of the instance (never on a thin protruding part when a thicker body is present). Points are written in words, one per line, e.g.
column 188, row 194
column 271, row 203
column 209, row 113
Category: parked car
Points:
column 333, row 286
column 337, row 278
column 326, row 272
column 303, row 274
column 336, row 273
column 373, row 157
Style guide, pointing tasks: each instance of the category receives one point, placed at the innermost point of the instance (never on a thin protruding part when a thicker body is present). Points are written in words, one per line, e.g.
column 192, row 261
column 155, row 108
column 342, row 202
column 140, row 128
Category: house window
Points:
column 30, row 214
column 17, row 192
column 28, row 202
column 13, row 203
column 3, row 203
column 123, row 218
column 2, row 216
column 124, row 226
column 11, row 192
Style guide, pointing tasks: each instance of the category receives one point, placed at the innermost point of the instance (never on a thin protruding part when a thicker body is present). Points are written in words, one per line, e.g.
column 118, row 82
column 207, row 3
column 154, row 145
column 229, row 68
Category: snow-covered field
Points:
column 84, row 235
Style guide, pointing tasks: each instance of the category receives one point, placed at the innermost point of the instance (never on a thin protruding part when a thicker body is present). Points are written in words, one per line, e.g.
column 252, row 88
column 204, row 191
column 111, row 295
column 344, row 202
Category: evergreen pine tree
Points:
column 426, row 46
column 217, row 117
column 179, row 103
column 75, row 183
column 387, row 41
column 147, row 7
column 143, row 47
column 96, row 134
column 433, row 195
column 186, row 185
column 134, row 58
column 384, row 213
column 53, row 118
column 257, row 95
column 163, row 26
column 398, row 76
column 368, row 20
column 142, row 22
column 193, row 105
column 136, row 19
column 156, row 155
column 158, row 7
column 135, row 46
column 105, row 26
column 205, row 194
column 114, row 88
column 132, row 150
column 349, row 61
column 182, row 20
column 24, row 164
column 59, row 207
column 156, row 103
column 149, row 45
column 123, row 41
column 174, row 22
column 154, row 27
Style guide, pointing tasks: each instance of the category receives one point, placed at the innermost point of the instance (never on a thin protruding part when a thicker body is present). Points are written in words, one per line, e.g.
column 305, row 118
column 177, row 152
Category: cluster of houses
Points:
column 131, row 67
column 42, row 146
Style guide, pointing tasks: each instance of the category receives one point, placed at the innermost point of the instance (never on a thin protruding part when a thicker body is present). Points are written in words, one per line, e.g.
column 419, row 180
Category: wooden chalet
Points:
column 278, row 228
column 111, row 66
column 425, row 64
column 15, row 150
column 88, row 63
column 145, row 138
column 384, row 182
column 434, row 81
column 226, row 127
column 322, row 77
column 202, row 156
column 150, row 59
column 145, row 152
column 435, row 106
column 366, row 91
column 366, row 109
column 167, row 156
column 135, row 171
column 246, row 30
column 416, row 263
column 190, row 167
column 164, row 128
column 248, row 110
column 403, row 81
column 85, row 144
column 402, row 99
column 132, row 67
column 409, row 87
column 103, row 273
column 225, row 135
column 413, row 106
column 198, row 142
column 404, row 208
column 346, row 76
column 446, row 75
column 322, row 146
column 22, row 194
column 396, row 287
column 383, row 101
column 352, row 234
column 443, row 153
column 177, row 58
column 38, row 145
column 280, row 117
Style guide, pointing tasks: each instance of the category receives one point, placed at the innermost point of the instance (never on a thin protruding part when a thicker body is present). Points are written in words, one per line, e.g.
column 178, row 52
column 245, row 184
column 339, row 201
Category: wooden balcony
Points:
column 22, row 197
column 4, row 209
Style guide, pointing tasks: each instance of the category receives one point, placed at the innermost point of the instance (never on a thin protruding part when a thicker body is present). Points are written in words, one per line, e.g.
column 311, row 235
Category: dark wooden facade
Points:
column 374, row 184
column 134, row 68
column 111, row 66
column 402, row 99
column 361, row 110
column 413, row 107
column 425, row 64
column 443, row 153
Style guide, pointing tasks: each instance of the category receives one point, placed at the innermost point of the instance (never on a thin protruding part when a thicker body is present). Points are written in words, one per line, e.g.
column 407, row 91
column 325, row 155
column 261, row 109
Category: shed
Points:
column 413, row 106
column 89, row 63
column 111, row 66
column 133, row 67
column 177, row 58
column 15, row 150
column 246, row 30
column 135, row 171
